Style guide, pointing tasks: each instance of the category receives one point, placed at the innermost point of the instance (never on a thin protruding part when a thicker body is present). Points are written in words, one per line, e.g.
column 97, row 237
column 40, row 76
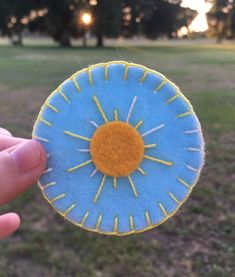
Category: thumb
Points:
column 20, row 167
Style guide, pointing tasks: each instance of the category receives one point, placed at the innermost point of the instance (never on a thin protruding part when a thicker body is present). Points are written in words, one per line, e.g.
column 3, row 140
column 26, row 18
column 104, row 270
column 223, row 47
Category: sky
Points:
column 199, row 24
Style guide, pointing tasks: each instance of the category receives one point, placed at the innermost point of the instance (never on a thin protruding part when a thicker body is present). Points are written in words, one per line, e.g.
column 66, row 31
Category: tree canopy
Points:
column 221, row 19
column 61, row 19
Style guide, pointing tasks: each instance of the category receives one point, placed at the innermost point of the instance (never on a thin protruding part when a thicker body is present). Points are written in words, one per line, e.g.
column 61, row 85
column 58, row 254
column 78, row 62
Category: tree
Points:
column 131, row 18
column 107, row 19
column 62, row 20
column 221, row 19
column 154, row 18
column 13, row 18
column 161, row 17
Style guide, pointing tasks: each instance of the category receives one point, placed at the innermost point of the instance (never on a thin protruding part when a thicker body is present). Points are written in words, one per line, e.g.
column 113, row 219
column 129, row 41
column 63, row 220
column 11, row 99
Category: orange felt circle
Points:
column 116, row 149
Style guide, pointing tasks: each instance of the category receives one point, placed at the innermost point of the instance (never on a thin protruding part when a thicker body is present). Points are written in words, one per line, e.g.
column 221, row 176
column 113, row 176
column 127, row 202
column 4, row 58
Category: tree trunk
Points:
column 65, row 39
column 100, row 41
column 16, row 37
column 220, row 31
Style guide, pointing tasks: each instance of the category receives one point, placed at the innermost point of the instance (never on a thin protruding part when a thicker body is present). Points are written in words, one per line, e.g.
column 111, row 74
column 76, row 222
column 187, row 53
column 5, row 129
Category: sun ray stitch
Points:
column 153, row 130
column 117, row 150
column 94, row 123
column 93, row 173
column 79, row 166
column 99, row 189
column 116, row 115
column 158, row 160
column 150, row 145
column 139, row 124
column 100, row 109
column 76, row 136
column 141, row 170
column 133, row 186
column 84, row 150
column 115, row 183
column 131, row 109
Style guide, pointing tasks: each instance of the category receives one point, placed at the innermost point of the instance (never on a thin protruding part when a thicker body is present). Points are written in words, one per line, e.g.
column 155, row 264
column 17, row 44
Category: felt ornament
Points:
column 125, row 148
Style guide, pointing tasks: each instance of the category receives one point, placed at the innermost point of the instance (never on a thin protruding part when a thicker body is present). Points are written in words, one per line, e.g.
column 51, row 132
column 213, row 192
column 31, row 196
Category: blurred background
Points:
column 190, row 41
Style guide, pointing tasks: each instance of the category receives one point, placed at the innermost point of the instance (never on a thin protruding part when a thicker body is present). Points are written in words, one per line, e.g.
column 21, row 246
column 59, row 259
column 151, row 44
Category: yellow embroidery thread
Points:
column 75, row 82
column 90, row 77
column 138, row 124
column 98, row 222
column 148, row 218
column 69, row 210
column 58, row 197
column 100, row 109
column 133, row 186
column 76, row 136
column 150, row 145
column 115, row 232
column 144, row 76
column 162, row 209
column 63, row 95
column 184, row 183
column 78, row 166
column 49, row 124
column 84, row 218
column 131, row 223
column 99, row 189
column 159, row 87
column 174, row 198
column 125, row 72
column 141, row 170
column 158, row 160
column 52, row 107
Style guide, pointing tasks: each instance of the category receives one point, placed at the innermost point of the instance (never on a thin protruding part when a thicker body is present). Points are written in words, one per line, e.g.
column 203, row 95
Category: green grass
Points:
column 198, row 241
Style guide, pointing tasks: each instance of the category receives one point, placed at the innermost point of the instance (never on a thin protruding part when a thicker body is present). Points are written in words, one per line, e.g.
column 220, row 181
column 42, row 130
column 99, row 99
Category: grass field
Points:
column 198, row 241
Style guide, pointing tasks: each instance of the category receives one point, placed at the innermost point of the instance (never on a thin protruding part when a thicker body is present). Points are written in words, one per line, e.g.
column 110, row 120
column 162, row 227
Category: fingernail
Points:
column 5, row 132
column 27, row 156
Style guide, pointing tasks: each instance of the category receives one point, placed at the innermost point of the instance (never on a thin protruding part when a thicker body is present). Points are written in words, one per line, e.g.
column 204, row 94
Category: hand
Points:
column 22, row 161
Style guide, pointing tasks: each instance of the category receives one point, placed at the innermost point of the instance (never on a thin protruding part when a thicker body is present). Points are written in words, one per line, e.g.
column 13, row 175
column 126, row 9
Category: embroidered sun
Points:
column 125, row 148
column 117, row 148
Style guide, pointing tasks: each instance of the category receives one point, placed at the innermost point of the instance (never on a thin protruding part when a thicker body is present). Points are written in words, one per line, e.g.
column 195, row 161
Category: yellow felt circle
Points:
column 116, row 149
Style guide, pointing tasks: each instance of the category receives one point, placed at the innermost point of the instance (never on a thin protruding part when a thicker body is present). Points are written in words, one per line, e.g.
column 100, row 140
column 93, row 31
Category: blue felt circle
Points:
column 174, row 150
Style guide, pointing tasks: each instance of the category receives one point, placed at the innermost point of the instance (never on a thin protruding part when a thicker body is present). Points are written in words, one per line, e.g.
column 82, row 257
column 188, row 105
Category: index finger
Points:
column 7, row 141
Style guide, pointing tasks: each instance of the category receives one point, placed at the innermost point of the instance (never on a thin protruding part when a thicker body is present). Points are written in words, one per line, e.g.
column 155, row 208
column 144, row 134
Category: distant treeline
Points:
column 64, row 19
